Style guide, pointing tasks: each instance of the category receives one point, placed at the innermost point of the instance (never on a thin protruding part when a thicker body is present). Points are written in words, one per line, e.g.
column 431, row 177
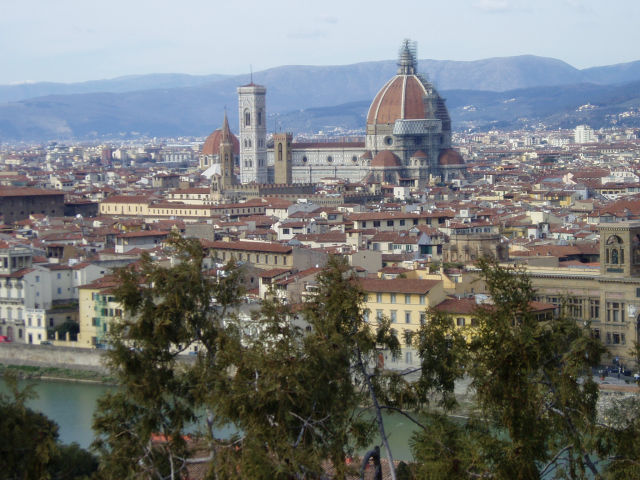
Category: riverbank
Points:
column 58, row 374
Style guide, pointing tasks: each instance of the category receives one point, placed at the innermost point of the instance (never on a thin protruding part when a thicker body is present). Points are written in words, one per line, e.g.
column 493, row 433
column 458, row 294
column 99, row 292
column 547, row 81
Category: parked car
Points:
column 4, row 339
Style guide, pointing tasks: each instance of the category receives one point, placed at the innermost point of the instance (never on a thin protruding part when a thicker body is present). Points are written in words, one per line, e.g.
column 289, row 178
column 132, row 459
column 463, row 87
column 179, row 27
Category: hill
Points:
column 507, row 92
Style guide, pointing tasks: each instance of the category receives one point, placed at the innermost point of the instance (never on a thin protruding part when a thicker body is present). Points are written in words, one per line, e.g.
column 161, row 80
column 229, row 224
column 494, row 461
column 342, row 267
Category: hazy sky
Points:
column 77, row 40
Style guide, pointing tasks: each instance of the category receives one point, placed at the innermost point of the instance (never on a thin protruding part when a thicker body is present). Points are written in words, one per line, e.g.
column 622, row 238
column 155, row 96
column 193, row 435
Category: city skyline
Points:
column 72, row 41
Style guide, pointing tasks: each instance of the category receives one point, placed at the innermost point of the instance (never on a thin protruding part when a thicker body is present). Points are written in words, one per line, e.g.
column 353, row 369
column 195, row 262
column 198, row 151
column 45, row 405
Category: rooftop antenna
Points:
column 251, row 72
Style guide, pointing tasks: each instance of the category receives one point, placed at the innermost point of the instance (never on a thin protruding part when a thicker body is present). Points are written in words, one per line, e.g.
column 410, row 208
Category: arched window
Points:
column 259, row 117
column 247, row 118
column 280, row 152
column 614, row 250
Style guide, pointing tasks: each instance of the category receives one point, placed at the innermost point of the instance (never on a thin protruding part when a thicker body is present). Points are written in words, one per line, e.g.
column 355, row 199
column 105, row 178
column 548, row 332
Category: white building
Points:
column 584, row 134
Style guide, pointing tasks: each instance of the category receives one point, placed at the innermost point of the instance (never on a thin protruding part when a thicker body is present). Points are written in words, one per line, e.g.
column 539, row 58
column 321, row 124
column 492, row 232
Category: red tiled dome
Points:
column 212, row 143
column 408, row 96
column 419, row 154
column 386, row 158
column 449, row 156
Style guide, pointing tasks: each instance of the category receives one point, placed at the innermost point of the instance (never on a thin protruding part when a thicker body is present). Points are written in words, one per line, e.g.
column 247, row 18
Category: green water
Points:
column 71, row 406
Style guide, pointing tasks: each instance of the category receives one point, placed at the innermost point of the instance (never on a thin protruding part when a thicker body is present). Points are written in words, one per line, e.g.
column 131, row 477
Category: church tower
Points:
column 227, row 176
column 282, row 158
column 253, row 133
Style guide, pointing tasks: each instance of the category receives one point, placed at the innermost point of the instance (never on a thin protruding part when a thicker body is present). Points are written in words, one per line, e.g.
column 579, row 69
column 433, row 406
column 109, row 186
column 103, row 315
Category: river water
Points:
column 71, row 406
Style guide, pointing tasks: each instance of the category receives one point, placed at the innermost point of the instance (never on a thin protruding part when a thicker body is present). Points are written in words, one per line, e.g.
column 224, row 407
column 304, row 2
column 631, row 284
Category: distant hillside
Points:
column 509, row 92
column 129, row 83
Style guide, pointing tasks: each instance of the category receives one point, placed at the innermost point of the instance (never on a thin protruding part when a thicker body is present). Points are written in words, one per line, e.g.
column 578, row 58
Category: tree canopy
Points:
column 295, row 382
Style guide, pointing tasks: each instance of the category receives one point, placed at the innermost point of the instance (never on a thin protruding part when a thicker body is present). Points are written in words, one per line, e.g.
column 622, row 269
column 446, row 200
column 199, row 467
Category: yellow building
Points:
column 98, row 309
column 403, row 301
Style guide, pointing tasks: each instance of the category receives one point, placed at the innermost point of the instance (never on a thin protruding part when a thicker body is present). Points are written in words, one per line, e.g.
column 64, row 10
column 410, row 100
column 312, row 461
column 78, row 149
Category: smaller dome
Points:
column 449, row 156
column 212, row 143
column 386, row 158
column 419, row 154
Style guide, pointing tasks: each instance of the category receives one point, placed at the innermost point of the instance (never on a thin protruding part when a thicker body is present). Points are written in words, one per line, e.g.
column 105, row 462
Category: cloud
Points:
column 327, row 19
column 307, row 34
column 493, row 6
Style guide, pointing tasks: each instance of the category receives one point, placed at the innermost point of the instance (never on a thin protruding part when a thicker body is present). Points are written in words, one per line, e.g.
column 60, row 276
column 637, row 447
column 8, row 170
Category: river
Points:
column 71, row 406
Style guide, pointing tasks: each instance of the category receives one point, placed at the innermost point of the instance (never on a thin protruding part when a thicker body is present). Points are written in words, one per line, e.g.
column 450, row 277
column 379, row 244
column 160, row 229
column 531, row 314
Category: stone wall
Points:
column 49, row 356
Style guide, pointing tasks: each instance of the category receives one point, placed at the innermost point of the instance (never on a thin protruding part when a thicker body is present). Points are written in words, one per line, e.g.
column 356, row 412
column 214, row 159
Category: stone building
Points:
column 606, row 299
column 17, row 203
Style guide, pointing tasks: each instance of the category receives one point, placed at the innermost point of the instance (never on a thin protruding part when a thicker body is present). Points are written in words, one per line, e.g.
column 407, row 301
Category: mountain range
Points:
column 509, row 92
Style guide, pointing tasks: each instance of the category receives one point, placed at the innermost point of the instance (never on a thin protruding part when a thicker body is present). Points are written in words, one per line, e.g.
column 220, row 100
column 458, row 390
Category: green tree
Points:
column 533, row 388
column 141, row 427
column 29, row 437
column 298, row 394
column 30, row 448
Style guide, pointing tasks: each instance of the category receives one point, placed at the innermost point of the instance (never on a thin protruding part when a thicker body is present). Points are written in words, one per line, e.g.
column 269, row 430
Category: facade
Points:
column 584, row 134
column 17, row 203
column 25, row 295
column 97, row 310
column 608, row 299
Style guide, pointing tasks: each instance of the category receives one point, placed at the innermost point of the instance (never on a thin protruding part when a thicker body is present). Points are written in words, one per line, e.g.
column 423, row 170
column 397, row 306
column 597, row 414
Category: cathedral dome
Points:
column 212, row 143
column 407, row 96
column 386, row 159
column 449, row 156
column 419, row 154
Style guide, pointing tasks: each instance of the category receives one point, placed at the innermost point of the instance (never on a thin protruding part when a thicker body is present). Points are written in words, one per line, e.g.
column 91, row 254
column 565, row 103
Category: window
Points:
column 247, row 118
column 423, row 299
column 401, row 222
column 594, row 309
column 376, row 223
column 378, row 315
column 460, row 321
column 596, row 333
column 615, row 312
column 58, row 275
column 393, row 316
column 408, row 358
column 389, row 223
column 329, row 159
column 574, row 306
column 423, row 318
column 59, row 290
column 366, row 316
column 379, row 297
column 407, row 299
column 407, row 317
column 392, row 298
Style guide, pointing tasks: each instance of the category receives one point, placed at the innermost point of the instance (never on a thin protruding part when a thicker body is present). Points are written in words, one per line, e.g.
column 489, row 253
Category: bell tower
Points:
column 282, row 158
column 227, row 176
column 620, row 249
column 253, row 133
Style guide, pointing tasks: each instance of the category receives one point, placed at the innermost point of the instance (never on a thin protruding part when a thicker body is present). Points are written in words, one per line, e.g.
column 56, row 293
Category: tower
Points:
column 282, row 158
column 253, row 133
column 226, row 157
column 620, row 249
